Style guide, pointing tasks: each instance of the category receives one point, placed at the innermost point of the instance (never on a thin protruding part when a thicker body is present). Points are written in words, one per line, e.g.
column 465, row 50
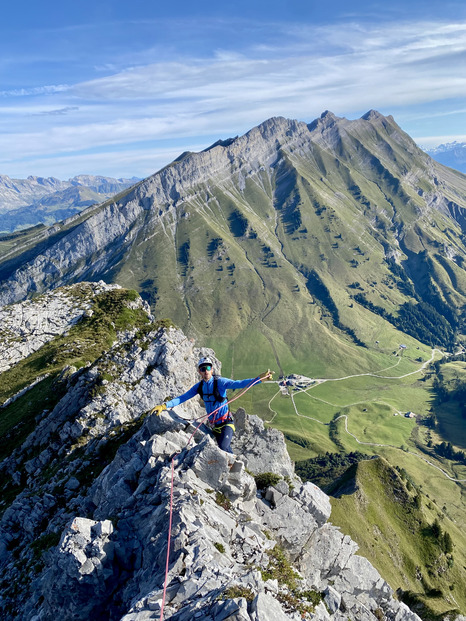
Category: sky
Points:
column 120, row 89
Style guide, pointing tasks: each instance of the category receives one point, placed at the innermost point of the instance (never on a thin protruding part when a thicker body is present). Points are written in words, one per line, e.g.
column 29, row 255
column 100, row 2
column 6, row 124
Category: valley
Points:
column 297, row 389
column 367, row 413
column 366, row 410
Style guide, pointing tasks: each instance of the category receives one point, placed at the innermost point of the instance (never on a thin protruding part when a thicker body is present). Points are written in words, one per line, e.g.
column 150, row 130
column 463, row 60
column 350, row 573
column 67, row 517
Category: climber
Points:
column 213, row 391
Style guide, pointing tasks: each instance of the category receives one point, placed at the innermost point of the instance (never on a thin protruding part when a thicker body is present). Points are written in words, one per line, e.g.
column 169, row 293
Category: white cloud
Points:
column 403, row 62
column 37, row 90
column 429, row 142
column 139, row 162
column 343, row 68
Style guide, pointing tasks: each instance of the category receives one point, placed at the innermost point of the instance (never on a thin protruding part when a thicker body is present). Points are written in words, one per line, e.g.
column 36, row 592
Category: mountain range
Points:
column 331, row 251
column 39, row 200
column 337, row 223
column 452, row 154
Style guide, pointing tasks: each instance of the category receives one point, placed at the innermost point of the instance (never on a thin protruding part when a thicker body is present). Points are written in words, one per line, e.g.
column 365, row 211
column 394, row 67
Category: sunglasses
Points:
column 205, row 367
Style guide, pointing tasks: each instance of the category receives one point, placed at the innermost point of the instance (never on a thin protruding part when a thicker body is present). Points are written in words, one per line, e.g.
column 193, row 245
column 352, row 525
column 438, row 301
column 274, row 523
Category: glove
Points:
column 267, row 375
column 158, row 409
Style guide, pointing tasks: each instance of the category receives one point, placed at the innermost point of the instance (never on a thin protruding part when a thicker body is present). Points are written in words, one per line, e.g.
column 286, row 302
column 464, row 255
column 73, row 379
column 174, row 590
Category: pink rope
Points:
column 172, row 485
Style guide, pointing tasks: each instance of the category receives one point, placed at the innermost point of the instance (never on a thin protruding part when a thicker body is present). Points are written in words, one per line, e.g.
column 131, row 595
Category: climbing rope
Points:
column 202, row 418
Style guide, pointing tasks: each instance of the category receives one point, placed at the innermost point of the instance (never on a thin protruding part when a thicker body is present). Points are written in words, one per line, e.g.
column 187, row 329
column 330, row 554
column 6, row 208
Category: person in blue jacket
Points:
column 213, row 391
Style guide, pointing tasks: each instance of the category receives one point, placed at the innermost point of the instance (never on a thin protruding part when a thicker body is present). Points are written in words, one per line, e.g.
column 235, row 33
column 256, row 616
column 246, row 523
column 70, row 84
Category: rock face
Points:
column 27, row 326
column 85, row 535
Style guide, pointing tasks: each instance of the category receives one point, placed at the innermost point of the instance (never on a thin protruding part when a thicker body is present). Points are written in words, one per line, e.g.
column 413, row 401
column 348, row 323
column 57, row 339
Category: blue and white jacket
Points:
column 217, row 410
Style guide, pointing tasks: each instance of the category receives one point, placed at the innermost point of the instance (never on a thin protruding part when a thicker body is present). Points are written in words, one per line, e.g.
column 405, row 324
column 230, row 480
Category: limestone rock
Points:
column 266, row 608
column 264, row 449
column 27, row 326
column 81, row 570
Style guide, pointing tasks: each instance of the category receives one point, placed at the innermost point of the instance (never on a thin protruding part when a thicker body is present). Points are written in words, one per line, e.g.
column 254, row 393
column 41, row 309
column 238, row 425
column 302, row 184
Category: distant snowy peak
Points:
column 452, row 154
column 448, row 146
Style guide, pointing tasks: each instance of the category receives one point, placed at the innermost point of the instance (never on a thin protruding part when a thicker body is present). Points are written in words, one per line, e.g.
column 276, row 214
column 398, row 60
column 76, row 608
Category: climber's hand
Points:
column 158, row 409
column 267, row 375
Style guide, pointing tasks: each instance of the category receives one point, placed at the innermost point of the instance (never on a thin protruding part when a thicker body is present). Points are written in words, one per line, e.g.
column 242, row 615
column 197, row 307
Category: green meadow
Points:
column 400, row 540
column 375, row 402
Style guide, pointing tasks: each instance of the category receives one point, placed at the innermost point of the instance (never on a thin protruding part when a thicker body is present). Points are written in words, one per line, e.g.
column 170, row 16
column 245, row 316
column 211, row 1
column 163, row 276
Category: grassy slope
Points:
column 398, row 538
column 83, row 344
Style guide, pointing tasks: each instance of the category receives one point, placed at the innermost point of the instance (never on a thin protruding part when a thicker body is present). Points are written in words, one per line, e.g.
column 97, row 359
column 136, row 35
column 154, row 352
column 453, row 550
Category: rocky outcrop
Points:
column 229, row 550
column 85, row 534
column 27, row 326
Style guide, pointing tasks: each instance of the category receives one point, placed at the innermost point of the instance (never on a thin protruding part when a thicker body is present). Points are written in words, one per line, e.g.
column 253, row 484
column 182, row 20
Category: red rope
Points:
column 172, row 485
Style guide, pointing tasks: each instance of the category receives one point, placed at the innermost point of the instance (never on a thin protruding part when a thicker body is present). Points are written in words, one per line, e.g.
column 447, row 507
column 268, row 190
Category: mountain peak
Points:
column 372, row 115
column 221, row 143
column 328, row 115
column 326, row 120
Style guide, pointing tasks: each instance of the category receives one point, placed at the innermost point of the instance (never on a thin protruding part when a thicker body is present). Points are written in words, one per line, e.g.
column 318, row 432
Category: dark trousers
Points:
column 224, row 437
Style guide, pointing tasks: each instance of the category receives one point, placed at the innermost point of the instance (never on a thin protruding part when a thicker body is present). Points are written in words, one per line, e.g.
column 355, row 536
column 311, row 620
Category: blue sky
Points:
column 121, row 88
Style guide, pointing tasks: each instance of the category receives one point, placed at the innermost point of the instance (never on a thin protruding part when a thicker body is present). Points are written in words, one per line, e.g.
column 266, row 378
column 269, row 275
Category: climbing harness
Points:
column 202, row 418
column 221, row 421
column 229, row 423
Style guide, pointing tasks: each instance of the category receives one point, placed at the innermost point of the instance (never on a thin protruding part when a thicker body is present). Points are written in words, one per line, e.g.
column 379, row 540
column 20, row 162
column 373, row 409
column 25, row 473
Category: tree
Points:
column 447, row 543
column 436, row 529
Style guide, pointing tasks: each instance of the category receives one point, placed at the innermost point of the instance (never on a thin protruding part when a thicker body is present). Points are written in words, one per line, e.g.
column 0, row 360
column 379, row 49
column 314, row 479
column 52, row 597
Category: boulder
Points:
column 81, row 573
column 266, row 608
column 264, row 449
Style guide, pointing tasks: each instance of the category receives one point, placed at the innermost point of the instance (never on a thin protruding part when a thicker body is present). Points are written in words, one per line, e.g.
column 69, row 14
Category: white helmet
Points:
column 204, row 360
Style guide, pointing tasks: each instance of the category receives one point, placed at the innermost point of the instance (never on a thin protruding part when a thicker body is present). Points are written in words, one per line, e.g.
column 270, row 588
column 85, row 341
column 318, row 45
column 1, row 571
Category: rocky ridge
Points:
column 32, row 323
column 85, row 533
column 102, row 234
